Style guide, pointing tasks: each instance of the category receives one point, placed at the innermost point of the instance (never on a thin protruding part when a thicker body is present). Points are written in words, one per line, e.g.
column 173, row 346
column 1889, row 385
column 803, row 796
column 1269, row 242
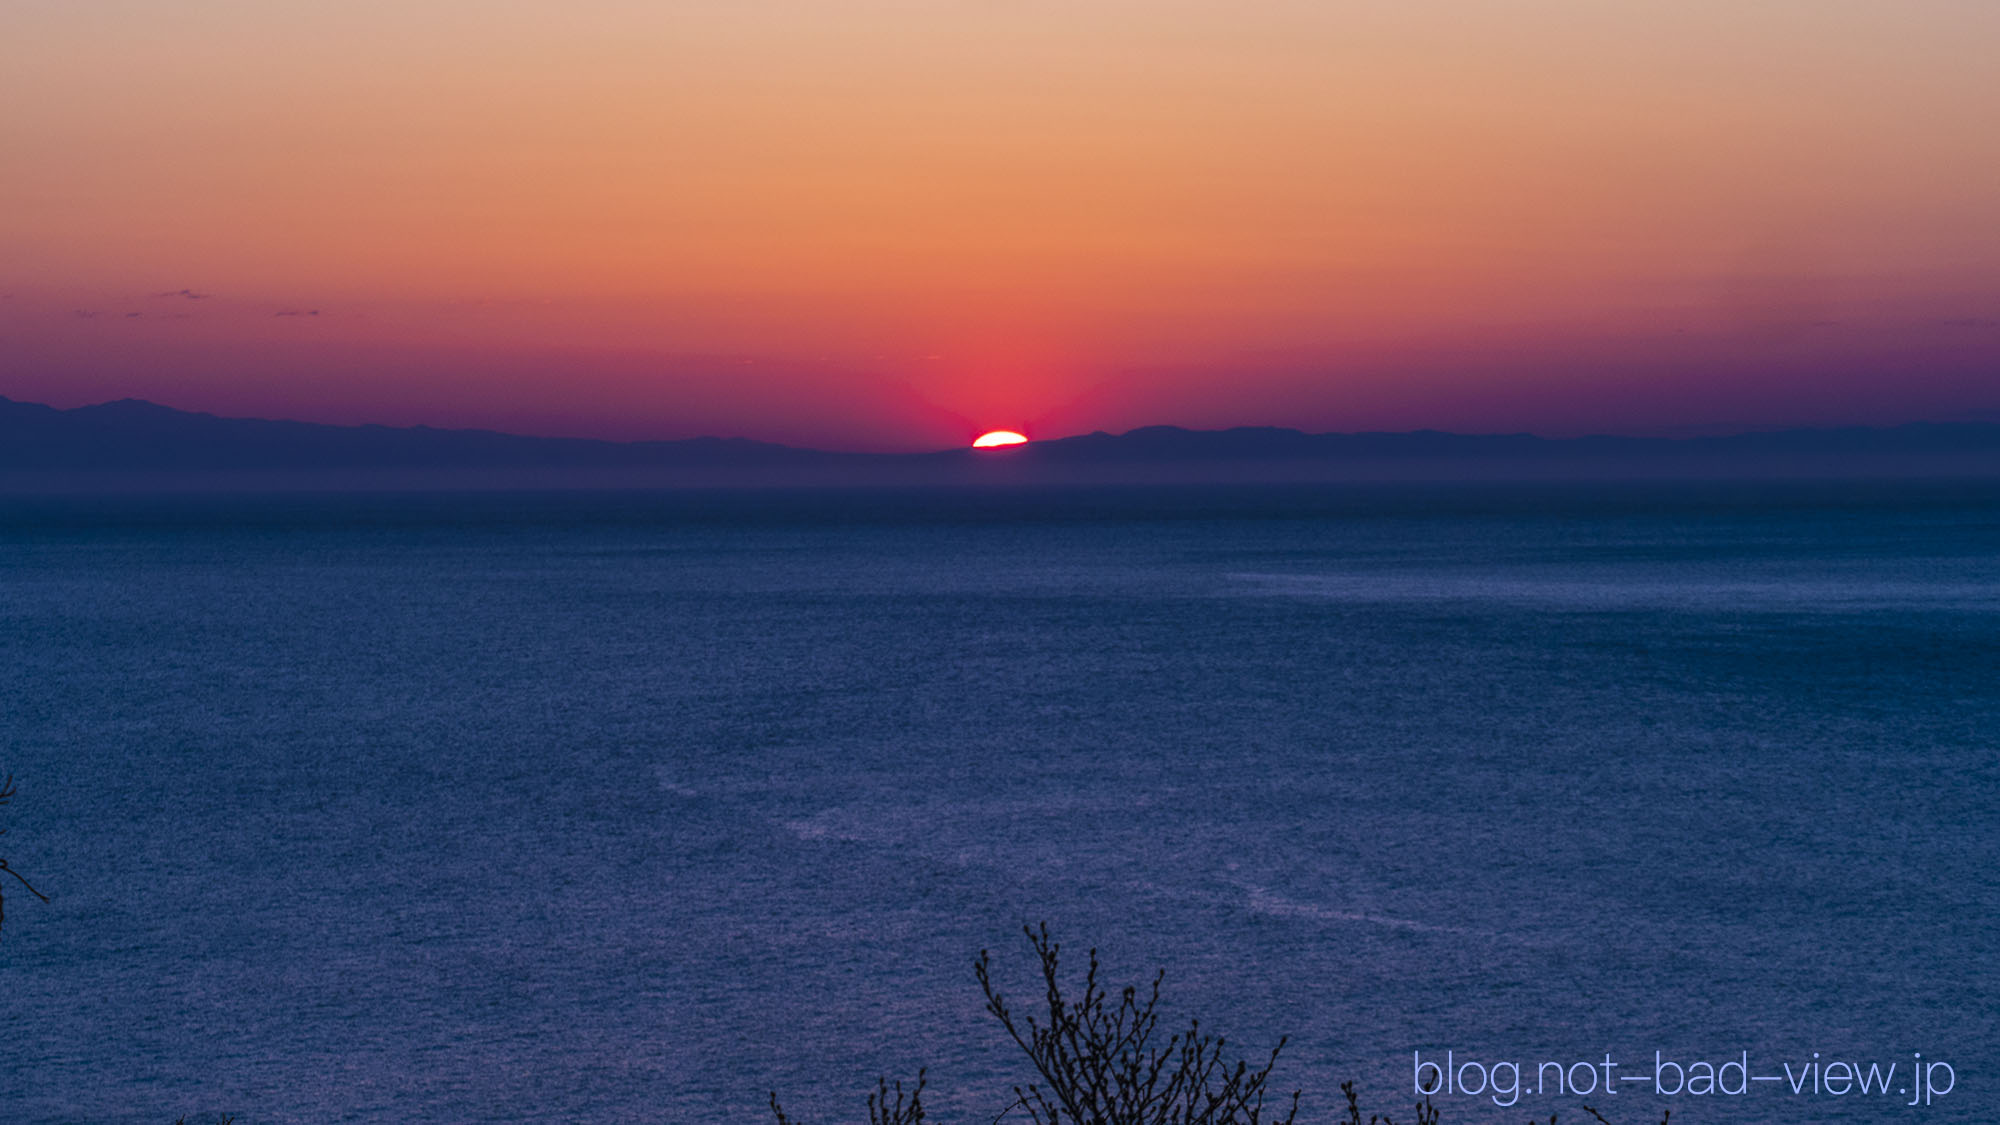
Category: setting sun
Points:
column 999, row 437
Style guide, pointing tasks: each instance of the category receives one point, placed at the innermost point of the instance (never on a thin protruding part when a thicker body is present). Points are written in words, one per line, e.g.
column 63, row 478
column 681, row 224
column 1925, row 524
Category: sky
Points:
column 894, row 224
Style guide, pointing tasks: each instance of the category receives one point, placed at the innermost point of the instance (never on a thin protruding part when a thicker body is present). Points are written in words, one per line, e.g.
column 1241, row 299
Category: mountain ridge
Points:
column 137, row 436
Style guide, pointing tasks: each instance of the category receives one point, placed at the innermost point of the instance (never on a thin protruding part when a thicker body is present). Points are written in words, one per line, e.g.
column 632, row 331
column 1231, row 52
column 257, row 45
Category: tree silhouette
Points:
column 6, row 795
column 1102, row 1064
column 1101, row 1061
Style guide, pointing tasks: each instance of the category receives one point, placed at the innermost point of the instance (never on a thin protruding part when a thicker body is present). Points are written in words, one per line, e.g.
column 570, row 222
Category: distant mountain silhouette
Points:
column 1277, row 443
column 133, row 439
column 135, row 434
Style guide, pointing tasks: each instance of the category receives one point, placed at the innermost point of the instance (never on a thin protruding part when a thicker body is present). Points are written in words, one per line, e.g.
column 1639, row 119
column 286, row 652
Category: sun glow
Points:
column 999, row 437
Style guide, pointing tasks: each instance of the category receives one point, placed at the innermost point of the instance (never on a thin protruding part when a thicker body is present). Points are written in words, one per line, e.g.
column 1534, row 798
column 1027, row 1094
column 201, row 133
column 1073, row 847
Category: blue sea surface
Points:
column 638, row 807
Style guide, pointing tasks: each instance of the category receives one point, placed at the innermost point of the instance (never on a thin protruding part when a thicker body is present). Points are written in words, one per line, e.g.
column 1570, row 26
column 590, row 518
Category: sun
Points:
column 999, row 437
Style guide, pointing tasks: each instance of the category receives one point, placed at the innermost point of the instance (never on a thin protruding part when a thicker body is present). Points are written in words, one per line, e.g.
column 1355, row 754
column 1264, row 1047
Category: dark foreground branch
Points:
column 1102, row 1062
column 6, row 795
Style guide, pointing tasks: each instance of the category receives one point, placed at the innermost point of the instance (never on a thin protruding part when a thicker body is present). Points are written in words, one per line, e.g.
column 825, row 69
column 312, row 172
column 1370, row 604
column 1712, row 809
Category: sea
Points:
column 646, row 806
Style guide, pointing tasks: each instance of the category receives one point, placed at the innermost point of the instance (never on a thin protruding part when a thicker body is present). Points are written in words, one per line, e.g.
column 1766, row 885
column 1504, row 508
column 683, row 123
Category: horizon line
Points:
column 1696, row 432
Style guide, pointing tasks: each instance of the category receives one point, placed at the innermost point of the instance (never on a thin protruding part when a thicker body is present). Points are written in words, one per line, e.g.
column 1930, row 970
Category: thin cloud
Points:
column 184, row 294
column 296, row 312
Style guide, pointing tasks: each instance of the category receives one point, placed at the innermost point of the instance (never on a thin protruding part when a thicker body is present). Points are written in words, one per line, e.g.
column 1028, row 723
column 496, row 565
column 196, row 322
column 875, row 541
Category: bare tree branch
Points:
column 1102, row 1063
column 6, row 795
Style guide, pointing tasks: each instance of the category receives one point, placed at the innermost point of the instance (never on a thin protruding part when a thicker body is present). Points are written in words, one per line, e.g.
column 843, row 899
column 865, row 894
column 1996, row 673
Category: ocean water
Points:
column 635, row 808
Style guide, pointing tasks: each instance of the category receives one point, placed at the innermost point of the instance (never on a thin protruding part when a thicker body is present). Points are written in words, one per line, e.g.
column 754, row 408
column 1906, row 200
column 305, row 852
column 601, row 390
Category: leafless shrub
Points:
column 1101, row 1063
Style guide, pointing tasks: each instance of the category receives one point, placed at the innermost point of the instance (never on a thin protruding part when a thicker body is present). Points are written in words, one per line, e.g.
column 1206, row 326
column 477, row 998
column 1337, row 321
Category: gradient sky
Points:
column 894, row 224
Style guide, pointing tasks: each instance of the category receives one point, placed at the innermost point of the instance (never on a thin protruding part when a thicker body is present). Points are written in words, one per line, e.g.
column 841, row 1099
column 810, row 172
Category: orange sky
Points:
column 895, row 224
